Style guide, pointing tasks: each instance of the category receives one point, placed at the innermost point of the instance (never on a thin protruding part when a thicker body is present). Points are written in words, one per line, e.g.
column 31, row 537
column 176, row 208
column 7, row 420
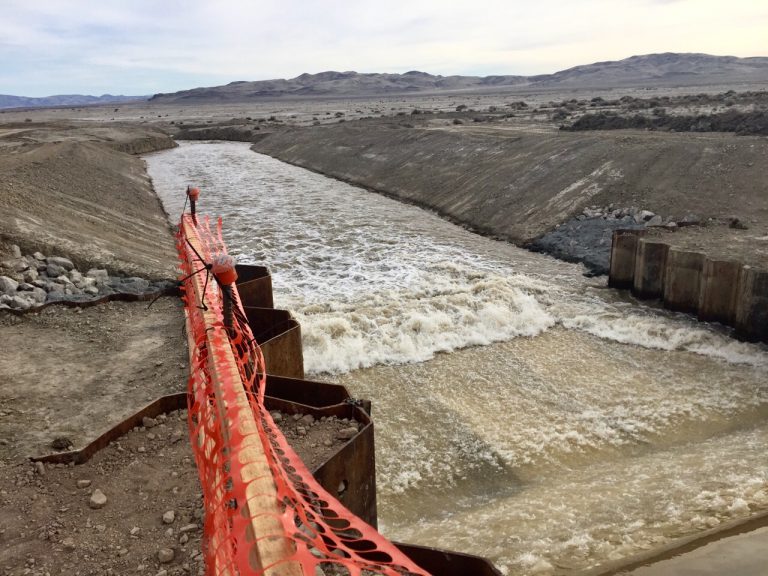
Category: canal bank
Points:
column 519, row 182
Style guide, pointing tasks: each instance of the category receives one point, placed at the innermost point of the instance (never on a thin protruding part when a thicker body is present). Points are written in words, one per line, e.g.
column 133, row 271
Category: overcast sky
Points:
column 149, row 46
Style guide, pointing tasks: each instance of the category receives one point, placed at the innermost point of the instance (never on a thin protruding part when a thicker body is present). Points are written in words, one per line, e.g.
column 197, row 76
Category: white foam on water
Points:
column 606, row 512
column 558, row 385
column 398, row 327
column 664, row 331
column 374, row 281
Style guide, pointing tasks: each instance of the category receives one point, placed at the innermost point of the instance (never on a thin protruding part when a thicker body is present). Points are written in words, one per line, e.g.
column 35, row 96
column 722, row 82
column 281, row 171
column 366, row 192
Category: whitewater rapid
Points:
column 512, row 396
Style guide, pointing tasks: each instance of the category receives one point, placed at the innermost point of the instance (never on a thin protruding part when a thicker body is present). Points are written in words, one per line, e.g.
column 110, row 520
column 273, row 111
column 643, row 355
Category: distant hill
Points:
column 670, row 69
column 7, row 101
column 338, row 83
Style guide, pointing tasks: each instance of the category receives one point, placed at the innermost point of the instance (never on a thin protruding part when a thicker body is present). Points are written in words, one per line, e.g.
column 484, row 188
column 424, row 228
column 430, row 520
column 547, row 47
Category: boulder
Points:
column 59, row 261
column 38, row 295
column 655, row 221
column 689, row 220
column 16, row 251
column 133, row 285
column 54, row 270
column 16, row 265
column 85, row 282
column 20, row 303
column 643, row 216
column 100, row 276
column 30, row 274
column 39, row 256
column 165, row 555
column 8, row 285
column 346, row 433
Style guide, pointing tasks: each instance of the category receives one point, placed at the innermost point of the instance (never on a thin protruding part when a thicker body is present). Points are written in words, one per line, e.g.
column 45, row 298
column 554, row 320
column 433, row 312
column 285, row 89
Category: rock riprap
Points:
column 587, row 237
column 27, row 281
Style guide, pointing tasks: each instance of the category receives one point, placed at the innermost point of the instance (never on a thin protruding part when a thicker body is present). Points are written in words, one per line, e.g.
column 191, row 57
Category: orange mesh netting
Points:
column 264, row 512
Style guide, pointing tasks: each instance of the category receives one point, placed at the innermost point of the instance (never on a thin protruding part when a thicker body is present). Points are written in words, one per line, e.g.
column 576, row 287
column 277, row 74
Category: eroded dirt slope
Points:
column 79, row 192
column 518, row 183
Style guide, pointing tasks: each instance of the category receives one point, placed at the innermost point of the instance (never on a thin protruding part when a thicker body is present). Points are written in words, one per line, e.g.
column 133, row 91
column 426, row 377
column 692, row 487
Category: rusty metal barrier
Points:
column 447, row 563
column 350, row 474
column 278, row 334
column 254, row 283
column 352, row 466
column 308, row 392
column 265, row 513
column 347, row 477
column 162, row 405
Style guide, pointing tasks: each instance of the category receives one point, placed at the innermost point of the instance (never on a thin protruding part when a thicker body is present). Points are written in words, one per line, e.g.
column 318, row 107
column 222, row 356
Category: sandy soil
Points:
column 48, row 526
column 72, row 372
column 79, row 192
column 718, row 240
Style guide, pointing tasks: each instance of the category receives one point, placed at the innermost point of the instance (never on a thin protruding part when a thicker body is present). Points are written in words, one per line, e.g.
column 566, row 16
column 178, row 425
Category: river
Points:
column 523, row 412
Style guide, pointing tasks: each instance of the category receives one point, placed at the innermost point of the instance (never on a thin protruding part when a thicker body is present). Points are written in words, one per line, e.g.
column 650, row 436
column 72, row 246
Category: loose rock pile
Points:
column 587, row 238
column 637, row 216
column 32, row 280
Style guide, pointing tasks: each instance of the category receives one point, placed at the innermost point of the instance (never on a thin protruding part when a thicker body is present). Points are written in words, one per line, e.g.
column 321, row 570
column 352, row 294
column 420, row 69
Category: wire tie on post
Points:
column 223, row 268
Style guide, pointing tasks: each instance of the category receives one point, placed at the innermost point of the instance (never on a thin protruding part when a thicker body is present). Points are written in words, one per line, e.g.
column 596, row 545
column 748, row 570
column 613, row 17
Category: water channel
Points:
column 523, row 412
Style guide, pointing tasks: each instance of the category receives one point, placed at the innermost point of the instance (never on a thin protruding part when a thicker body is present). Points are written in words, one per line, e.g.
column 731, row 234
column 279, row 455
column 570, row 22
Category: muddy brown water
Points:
column 523, row 412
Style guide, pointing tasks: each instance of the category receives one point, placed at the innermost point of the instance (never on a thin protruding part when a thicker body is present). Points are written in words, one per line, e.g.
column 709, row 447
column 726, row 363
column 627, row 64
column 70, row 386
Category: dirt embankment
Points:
column 80, row 192
column 518, row 183
column 68, row 374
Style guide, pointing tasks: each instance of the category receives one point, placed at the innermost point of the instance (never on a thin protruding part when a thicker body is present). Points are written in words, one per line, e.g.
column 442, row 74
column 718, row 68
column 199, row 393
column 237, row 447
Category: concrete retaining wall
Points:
column 714, row 290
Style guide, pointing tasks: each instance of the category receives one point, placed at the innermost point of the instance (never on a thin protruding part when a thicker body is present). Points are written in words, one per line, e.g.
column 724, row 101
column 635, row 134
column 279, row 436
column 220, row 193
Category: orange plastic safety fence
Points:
column 264, row 511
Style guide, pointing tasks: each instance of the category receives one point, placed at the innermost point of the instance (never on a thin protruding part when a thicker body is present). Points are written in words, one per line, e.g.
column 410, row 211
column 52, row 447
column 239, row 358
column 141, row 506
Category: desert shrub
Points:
column 742, row 123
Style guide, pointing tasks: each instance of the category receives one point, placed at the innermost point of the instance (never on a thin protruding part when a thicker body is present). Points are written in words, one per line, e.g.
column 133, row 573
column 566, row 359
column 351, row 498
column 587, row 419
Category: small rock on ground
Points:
column 98, row 499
